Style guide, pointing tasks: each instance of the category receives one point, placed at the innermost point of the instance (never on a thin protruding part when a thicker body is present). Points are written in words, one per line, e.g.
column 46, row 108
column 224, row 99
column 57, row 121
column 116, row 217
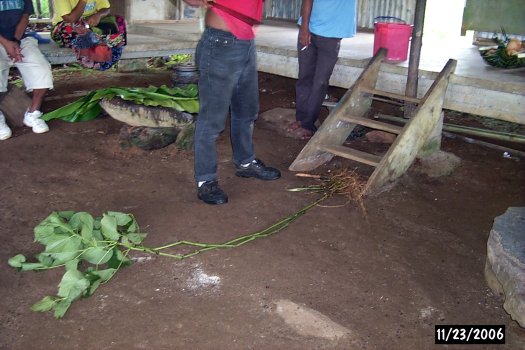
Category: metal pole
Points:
column 415, row 53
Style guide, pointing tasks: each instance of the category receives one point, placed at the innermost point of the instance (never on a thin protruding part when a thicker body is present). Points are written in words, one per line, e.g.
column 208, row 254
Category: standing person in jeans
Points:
column 22, row 52
column 226, row 58
column 323, row 23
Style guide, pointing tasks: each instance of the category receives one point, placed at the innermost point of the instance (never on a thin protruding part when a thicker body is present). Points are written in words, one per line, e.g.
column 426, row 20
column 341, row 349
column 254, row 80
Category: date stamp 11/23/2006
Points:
column 470, row 334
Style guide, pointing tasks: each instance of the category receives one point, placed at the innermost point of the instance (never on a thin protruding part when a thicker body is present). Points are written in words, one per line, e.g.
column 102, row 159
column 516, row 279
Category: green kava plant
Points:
column 92, row 250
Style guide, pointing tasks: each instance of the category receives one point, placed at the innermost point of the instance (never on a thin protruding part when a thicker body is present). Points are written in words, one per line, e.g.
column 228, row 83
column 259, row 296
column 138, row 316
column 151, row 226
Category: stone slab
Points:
column 505, row 270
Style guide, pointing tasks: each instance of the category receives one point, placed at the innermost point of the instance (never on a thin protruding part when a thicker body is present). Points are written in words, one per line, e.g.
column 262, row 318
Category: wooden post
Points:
column 415, row 134
column 415, row 54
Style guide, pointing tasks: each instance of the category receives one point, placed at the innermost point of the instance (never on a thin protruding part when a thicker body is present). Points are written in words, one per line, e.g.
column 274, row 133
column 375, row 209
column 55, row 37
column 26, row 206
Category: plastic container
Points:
column 184, row 74
column 393, row 36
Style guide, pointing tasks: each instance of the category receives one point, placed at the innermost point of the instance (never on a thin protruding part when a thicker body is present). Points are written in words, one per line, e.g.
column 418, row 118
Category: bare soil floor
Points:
column 337, row 278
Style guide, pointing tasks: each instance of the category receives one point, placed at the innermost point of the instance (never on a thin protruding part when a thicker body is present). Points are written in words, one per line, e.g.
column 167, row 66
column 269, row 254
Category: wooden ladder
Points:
column 352, row 109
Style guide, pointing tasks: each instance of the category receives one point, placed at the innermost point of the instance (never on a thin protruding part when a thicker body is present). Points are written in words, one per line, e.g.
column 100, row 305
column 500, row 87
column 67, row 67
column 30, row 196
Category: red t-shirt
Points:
column 250, row 8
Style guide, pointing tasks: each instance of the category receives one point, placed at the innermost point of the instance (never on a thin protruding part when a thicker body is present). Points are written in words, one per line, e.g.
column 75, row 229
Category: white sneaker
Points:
column 5, row 131
column 32, row 119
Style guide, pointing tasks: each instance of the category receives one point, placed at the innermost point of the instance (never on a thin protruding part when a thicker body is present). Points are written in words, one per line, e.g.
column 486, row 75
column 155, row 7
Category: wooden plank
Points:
column 374, row 124
column 353, row 154
column 415, row 134
column 392, row 95
column 334, row 131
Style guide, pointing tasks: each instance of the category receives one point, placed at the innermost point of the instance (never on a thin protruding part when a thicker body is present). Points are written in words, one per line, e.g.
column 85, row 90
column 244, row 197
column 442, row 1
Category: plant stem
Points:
column 236, row 242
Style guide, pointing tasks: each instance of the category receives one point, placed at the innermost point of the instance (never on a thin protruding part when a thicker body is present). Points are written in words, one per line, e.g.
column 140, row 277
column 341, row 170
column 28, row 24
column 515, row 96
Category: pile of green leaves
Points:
column 498, row 56
column 178, row 59
column 89, row 249
column 88, row 108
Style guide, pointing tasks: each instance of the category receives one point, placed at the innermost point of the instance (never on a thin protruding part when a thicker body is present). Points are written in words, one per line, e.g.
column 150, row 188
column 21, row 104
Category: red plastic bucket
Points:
column 393, row 36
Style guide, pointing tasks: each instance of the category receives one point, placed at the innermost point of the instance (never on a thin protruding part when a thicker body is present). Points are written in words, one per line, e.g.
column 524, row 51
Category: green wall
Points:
column 491, row 15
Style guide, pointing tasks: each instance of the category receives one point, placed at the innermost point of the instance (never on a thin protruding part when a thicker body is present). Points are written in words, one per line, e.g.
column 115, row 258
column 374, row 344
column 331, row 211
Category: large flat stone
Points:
column 505, row 269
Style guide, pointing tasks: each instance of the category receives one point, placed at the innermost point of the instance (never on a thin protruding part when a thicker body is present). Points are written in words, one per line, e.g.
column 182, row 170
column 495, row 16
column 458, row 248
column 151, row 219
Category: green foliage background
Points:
column 44, row 8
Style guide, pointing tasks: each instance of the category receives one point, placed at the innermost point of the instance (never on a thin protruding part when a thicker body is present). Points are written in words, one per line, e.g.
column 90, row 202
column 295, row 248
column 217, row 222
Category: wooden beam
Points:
column 353, row 154
column 416, row 132
column 392, row 95
column 334, row 131
column 374, row 124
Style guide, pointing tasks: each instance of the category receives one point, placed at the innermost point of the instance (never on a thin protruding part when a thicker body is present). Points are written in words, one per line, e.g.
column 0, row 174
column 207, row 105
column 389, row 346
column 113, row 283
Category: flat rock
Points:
column 311, row 323
column 378, row 136
column 505, row 265
column 438, row 163
column 14, row 104
column 140, row 115
column 147, row 138
column 278, row 119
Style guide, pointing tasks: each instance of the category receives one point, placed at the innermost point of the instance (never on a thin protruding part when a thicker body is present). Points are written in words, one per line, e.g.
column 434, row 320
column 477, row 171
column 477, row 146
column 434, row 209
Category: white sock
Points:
column 199, row 184
column 247, row 164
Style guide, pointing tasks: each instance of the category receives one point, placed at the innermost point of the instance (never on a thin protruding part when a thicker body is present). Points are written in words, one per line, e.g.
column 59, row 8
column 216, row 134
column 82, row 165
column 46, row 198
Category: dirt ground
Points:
column 337, row 278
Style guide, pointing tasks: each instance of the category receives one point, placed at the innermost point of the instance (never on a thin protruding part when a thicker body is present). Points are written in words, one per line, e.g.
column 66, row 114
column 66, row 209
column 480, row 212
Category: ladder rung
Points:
column 391, row 95
column 353, row 154
column 329, row 104
column 371, row 123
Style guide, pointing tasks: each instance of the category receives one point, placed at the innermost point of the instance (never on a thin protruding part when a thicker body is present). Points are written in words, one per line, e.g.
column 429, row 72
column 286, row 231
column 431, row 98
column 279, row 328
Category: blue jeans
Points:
column 316, row 64
column 228, row 81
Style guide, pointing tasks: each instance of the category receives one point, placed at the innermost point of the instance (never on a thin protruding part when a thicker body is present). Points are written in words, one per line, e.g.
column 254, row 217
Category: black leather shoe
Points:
column 209, row 192
column 258, row 170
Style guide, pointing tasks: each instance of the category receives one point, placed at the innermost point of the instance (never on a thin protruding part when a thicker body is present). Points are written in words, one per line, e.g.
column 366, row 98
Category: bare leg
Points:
column 38, row 98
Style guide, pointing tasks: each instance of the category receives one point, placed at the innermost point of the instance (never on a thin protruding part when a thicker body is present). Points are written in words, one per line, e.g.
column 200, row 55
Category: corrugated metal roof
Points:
column 367, row 10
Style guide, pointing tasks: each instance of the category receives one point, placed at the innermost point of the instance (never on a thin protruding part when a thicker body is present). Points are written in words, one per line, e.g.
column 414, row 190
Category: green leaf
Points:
column 133, row 227
column 104, row 275
column 61, row 308
column 136, row 238
column 60, row 258
column 44, row 233
column 70, row 109
column 72, row 285
column 97, row 255
column 96, row 224
column 109, row 227
column 66, row 215
column 97, row 235
column 118, row 259
column 97, row 277
column 46, row 260
column 63, row 243
column 46, row 304
column 72, row 264
column 16, row 261
column 83, row 222
column 31, row 266
column 122, row 219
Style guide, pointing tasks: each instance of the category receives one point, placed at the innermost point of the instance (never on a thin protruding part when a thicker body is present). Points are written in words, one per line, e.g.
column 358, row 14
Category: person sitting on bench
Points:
column 86, row 26
column 22, row 52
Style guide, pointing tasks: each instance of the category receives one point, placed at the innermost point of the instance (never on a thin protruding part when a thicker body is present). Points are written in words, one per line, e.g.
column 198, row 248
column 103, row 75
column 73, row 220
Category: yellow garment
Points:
column 64, row 7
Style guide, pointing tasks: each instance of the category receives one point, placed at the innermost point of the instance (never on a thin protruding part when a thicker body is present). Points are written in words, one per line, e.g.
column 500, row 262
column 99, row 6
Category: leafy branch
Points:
column 92, row 250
